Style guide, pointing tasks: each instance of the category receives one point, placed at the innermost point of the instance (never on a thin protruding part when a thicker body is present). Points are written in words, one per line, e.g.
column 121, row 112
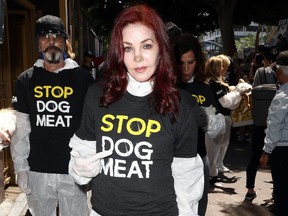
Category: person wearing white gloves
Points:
column 191, row 62
column 226, row 100
column 48, row 100
column 7, row 127
column 138, row 135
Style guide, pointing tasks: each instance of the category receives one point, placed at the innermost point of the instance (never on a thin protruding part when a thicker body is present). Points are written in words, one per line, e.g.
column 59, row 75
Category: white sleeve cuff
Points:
column 188, row 176
column 84, row 147
column 78, row 179
column 20, row 142
column 231, row 100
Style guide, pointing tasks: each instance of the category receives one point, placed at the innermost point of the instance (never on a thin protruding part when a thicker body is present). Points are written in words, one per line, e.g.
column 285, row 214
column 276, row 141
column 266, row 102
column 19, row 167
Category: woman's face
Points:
column 188, row 65
column 221, row 69
column 224, row 70
column 141, row 51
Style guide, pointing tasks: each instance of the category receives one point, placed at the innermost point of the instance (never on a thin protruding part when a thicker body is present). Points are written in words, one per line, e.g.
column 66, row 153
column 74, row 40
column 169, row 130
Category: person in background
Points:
column 191, row 61
column 69, row 50
column 276, row 139
column 88, row 61
column 244, row 132
column 263, row 75
column 48, row 100
column 137, row 142
column 226, row 100
column 89, row 64
column 223, row 148
column 232, row 75
column 256, row 62
column 281, row 44
column 7, row 126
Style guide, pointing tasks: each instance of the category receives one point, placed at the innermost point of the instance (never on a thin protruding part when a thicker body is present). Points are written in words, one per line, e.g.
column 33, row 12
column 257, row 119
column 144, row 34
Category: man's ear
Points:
column 279, row 75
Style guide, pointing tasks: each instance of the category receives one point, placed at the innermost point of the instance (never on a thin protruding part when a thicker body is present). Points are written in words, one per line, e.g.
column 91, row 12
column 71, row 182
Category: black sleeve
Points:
column 218, row 89
column 203, row 118
column 20, row 101
column 187, row 127
column 86, row 130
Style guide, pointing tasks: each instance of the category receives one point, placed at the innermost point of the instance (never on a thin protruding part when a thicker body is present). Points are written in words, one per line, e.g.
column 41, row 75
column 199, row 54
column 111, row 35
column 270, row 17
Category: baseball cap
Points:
column 88, row 54
column 49, row 24
column 282, row 58
column 282, row 61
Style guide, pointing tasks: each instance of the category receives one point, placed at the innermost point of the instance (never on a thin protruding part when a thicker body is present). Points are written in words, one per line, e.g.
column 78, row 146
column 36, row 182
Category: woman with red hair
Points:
column 138, row 138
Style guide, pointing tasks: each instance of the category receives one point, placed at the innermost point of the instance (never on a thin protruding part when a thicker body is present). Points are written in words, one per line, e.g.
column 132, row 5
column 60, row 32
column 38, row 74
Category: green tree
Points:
column 195, row 16
column 245, row 43
column 234, row 12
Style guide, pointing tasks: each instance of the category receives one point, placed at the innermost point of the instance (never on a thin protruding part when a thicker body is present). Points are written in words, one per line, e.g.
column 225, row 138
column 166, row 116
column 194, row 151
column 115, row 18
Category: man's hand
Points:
column 22, row 181
column 264, row 160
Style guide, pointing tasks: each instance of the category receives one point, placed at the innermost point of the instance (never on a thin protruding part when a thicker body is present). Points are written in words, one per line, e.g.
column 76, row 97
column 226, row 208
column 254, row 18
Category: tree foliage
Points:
column 100, row 14
column 194, row 16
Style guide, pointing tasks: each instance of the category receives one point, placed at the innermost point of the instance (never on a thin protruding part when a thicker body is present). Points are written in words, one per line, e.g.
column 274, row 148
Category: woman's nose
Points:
column 138, row 58
column 185, row 66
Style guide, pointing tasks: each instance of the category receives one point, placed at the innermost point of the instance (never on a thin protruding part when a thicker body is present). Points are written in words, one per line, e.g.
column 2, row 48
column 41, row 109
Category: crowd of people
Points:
column 150, row 136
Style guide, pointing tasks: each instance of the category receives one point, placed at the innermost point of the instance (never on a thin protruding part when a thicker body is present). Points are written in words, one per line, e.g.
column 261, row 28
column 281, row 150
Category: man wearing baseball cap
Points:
column 48, row 101
column 276, row 140
column 88, row 58
column 49, row 24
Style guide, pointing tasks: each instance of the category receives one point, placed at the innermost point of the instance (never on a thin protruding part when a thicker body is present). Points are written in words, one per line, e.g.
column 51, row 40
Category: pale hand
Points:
column 22, row 181
column 88, row 166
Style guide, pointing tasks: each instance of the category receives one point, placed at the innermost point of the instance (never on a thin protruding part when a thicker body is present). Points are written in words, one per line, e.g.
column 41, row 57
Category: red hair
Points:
column 165, row 94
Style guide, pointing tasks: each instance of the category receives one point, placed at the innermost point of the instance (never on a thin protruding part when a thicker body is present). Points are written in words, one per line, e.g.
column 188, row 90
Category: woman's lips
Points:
column 140, row 69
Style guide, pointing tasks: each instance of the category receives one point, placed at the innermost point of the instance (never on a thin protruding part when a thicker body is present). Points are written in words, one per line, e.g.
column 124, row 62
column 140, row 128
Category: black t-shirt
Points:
column 137, row 178
column 219, row 90
column 54, row 102
column 86, row 68
column 205, row 98
column 201, row 92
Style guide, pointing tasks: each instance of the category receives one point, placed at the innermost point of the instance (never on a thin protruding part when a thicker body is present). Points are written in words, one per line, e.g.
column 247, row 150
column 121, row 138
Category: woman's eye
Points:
column 127, row 49
column 147, row 46
column 191, row 61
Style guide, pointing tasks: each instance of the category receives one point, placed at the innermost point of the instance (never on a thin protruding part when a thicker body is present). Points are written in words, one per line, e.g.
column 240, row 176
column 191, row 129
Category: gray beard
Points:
column 53, row 55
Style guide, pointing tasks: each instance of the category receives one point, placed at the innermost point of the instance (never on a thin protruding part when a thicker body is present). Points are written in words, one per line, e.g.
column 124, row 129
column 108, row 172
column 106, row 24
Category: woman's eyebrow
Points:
column 140, row 42
column 147, row 40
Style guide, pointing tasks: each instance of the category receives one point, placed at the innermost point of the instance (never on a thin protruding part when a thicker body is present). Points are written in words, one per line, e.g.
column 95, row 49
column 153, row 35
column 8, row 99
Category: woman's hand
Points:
column 243, row 88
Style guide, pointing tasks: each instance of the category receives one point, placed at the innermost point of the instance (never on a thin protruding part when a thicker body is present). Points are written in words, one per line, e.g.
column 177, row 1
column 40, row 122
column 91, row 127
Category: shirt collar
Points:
column 139, row 89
